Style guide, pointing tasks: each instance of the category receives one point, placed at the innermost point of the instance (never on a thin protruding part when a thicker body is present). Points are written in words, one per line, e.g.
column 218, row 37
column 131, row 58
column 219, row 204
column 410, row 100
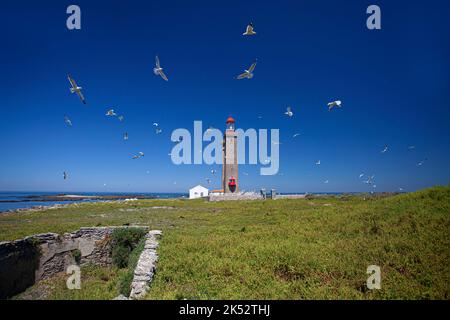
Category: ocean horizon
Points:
column 14, row 200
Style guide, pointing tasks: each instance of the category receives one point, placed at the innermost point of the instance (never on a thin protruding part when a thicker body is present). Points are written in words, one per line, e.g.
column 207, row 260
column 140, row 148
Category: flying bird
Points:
column 65, row 175
column 370, row 179
column 249, row 30
column 411, row 147
column 295, row 135
column 120, row 118
column 67, row 121
column 318, row 163
column 289, row 112
column 385, row 149
column 111, row 113
column 158, row 130
column 213, row 171
column 361, row 175
column 139, row 155
column 125, row 136
column 326, row 181
column 208, row 180
column 76, row 89
column 248, row 73
column 158, row 70
column 419, row 164
column 333, row 104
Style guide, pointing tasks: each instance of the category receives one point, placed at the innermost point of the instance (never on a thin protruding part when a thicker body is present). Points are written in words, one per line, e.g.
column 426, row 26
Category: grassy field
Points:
column 284, row 249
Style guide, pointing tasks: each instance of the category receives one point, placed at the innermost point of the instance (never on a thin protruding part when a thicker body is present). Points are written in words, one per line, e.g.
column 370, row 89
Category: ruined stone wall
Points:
column 24, row 262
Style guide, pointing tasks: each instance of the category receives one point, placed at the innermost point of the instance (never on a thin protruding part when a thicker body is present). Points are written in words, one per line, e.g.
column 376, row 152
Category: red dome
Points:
column 230, row 120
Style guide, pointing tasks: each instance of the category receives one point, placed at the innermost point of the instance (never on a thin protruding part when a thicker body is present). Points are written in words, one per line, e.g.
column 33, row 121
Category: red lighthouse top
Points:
column 230, row 120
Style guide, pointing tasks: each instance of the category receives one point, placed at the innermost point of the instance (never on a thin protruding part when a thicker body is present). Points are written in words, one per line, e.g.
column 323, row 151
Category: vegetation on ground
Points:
column 316, row 248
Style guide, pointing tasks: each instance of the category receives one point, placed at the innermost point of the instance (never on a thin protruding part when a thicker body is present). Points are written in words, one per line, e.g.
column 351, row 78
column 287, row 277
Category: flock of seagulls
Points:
column 247, row 74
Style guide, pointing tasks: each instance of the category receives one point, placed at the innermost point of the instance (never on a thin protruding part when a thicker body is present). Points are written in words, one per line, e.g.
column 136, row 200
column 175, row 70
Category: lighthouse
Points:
column 230, row 159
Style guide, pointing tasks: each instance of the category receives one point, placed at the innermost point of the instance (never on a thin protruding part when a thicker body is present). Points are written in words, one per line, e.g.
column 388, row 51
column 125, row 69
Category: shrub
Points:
column 124, row 240
column 133, row 258
column 76, row 254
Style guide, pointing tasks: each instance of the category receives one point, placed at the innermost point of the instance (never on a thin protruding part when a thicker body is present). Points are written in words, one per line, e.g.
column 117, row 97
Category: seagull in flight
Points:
column 326, row 181
column 208, row 180
column 361, row 175
column 385, row 149
column 65, row 175
column 318, row 163
column 333, row 104
column 419, row 164
column 139, row 155
column 248, row 73
column 111, row 113
column 120, row 118
column 370, row 179
column 76, row 89
column 125, row 136
column 289, row 112
column 249, row 30
column 213, row 171
column 411, row 147
column 158, row 130
column 68, row 121
column 296, row 135
column 158, row 70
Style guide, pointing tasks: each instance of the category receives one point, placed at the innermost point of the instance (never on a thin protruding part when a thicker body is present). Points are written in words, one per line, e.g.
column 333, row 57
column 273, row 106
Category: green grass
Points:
column 284, row 249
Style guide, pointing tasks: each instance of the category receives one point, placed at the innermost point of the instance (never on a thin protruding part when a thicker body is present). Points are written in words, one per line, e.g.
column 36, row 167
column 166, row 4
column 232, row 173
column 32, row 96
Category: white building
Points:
column 198, row 192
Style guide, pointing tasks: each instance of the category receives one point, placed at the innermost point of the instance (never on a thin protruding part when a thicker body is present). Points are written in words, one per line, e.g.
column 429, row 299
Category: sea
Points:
column 19, row 200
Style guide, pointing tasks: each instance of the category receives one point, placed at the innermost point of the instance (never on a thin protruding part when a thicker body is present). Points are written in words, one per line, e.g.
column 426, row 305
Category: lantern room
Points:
column 230, row 123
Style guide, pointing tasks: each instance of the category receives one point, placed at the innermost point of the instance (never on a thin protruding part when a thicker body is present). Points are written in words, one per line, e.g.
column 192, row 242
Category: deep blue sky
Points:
column 394, row 84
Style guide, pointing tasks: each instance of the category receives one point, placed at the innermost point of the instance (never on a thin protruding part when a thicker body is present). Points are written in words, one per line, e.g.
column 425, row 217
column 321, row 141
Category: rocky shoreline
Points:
column 75, row 197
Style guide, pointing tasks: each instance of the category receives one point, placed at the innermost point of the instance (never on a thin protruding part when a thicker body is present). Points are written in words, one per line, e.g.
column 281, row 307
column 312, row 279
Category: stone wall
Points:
column 235, row 196
column 146, row 266
column 24, row 262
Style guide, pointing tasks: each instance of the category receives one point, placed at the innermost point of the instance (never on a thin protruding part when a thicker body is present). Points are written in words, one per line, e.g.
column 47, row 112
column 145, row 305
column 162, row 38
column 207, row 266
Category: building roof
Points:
column 230, row 120
column 198, row 187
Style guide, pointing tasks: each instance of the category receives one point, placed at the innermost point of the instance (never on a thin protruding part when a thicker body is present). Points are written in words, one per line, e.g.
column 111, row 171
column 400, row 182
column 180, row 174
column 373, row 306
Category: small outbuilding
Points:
column 198, row 192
